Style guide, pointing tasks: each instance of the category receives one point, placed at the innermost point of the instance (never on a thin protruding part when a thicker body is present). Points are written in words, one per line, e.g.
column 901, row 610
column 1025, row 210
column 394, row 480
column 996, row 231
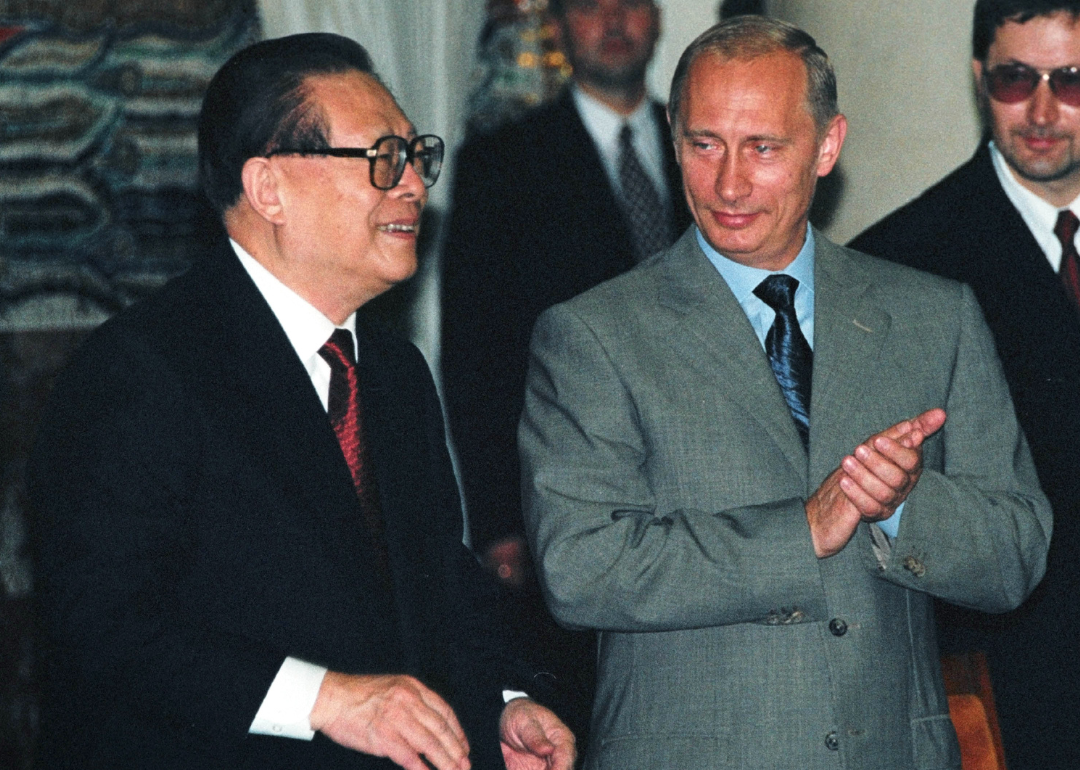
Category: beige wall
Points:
column 905, row 84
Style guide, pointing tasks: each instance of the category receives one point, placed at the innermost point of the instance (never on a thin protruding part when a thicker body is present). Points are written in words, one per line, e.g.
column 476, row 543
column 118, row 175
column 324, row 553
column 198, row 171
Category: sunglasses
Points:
column 1012, row 83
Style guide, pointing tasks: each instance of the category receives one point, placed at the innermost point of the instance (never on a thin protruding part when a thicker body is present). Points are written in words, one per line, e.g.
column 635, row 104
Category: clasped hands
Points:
column 398, row 717
column 870, row 483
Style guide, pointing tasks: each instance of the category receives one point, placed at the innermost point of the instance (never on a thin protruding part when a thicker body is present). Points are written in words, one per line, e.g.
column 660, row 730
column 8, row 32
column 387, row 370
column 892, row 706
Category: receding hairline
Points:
column 721, row 58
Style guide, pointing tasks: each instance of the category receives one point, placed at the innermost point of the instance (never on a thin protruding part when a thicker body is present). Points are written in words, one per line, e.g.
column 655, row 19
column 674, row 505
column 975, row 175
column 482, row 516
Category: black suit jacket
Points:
column 198, row 524
column 965, row 227
column 534, row 223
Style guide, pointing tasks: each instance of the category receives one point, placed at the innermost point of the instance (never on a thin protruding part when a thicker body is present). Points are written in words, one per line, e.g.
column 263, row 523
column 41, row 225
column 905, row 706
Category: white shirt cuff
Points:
column 509, row 695
column 286, row 709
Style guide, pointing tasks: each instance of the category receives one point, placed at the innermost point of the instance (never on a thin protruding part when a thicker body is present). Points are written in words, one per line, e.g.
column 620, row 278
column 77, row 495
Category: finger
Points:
column 867, row 506
column 931, row 421
column 533, row 738
column 895, row 432
column 435, row 702
column 431, row 735
column 563, row 757
column 417, row 747
column 878, row 477
column 885, row 454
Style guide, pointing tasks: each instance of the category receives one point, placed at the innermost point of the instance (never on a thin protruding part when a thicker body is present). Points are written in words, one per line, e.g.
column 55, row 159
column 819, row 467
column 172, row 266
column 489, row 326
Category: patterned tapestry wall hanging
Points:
column 98, row 104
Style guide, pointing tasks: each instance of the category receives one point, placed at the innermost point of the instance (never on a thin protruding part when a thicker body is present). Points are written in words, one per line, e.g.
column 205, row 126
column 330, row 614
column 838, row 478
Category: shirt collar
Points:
column 306, row 328
column 743, row 279
column 1039, row 215
column 604, row 124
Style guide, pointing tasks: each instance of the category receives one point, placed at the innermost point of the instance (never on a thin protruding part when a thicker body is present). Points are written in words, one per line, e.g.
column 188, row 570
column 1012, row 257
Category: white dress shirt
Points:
column 1039, row 216
column 604, row 126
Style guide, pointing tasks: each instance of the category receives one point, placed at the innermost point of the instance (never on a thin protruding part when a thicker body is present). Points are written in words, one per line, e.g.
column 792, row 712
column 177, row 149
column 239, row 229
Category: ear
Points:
column 262, row 189
column 673, row 134
column 977, row 71
column 831, row 142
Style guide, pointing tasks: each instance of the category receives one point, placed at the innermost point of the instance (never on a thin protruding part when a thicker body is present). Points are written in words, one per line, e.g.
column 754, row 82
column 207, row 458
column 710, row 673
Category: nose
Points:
column 1043, row 105
column 410, row 186
column 732, row 182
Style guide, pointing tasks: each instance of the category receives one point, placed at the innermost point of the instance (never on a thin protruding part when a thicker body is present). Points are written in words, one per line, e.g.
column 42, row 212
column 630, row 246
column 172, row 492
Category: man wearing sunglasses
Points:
column 1005, row 222
column 250, row 544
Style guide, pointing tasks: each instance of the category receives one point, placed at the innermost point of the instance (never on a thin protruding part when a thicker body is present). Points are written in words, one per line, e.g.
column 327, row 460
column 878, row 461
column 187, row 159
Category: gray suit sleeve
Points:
column 609, row 556
column 976, row 528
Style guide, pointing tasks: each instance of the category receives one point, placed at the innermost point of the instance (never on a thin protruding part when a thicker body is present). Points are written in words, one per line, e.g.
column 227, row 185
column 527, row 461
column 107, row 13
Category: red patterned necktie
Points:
column 346, row 416
column 1065, row 230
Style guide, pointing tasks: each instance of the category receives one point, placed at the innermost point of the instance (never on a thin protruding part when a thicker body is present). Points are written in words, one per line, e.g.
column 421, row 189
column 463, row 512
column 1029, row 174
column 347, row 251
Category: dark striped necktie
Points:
column 789, row 353
column 646, row 214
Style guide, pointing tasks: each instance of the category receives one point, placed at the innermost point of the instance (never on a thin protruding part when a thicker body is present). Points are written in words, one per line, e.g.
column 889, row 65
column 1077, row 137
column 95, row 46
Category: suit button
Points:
column 832, row 743
column 837, row 627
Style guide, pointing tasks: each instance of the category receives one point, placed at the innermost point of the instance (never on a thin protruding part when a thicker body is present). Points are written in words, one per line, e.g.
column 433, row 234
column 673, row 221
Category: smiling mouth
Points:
column 397, row 228
column 735, row 221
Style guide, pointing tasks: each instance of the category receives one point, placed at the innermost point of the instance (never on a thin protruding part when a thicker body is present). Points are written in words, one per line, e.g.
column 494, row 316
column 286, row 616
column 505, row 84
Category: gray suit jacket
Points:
column 664, row 487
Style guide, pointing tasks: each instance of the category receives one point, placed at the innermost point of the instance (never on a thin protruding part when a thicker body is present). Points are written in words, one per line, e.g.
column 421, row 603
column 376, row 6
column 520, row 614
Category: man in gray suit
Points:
column 760, row 555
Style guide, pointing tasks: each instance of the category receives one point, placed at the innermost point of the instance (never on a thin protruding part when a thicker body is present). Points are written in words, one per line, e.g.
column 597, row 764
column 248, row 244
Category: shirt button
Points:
column 832, row 743
column 837, row 627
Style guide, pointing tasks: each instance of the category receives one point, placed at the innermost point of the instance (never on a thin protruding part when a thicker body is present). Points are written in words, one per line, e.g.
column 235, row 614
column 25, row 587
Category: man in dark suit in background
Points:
column 1005, row 223
column 543, row 209
column 228, row 578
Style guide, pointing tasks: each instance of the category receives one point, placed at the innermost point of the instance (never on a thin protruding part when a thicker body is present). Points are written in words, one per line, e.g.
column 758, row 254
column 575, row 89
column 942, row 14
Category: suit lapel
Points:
column 273, row 407
column 718, row 330
column 849, row 333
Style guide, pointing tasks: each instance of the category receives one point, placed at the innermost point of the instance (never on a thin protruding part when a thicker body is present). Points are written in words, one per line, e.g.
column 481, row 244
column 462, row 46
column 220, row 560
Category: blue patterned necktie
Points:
column 789, row 353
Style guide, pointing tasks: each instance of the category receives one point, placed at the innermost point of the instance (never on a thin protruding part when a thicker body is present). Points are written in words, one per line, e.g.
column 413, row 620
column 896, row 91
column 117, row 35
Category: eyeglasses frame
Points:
column 372, row 153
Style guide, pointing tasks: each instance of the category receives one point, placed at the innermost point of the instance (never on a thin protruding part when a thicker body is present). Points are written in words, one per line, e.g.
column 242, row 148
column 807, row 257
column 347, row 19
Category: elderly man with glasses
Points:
column 250, row 542
column 1006, row 223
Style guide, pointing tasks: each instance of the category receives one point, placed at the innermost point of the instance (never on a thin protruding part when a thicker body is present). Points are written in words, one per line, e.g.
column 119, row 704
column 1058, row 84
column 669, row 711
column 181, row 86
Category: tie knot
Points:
column 778, row 291
column 1066, row 226
column 626, row 136
column 339, row 349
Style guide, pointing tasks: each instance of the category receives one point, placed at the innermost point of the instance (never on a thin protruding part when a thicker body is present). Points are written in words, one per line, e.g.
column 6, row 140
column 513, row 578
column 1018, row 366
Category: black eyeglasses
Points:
column 1012, row 83
column 388, row 157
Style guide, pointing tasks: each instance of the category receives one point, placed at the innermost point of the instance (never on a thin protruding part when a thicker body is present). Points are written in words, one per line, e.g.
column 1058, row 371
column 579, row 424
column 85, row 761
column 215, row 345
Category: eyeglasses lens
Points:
column 427, row 157
column 1012, row 83
column 389, row 162
column 1065, row 83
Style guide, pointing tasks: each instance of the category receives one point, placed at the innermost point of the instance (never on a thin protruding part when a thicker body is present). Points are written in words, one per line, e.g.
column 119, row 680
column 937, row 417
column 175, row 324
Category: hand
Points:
column 391, row 716
column 870, row 484
column 885, row 468
column 533, row 738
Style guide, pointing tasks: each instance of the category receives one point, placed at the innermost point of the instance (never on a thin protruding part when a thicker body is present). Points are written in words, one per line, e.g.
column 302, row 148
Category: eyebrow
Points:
column 706, row 133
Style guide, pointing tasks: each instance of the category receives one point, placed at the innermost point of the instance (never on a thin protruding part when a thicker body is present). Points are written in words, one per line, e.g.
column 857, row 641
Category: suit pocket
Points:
column 655, row 752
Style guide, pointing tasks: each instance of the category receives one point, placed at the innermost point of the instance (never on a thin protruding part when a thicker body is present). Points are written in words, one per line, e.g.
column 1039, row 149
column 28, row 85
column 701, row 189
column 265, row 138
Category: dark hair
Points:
column 990, row 15
column 748, row 37
column 257, row 102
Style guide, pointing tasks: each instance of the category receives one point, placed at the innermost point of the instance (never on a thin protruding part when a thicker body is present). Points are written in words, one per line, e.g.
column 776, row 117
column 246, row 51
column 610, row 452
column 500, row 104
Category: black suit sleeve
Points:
column 112, row 480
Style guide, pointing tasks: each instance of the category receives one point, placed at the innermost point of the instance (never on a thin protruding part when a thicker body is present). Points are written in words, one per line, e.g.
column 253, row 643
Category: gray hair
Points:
column 748, row 37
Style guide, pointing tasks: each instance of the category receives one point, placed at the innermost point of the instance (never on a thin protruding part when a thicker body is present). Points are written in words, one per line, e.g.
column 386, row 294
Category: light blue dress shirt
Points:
column 742, row 280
